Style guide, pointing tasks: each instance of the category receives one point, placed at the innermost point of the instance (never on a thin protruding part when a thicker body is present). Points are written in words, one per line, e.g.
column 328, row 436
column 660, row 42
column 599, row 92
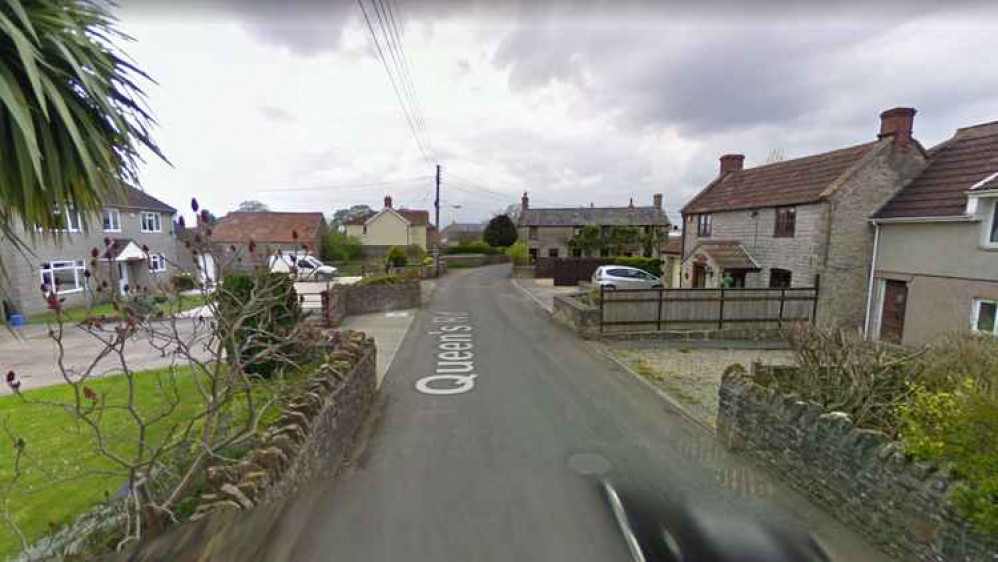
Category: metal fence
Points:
column 640, row 310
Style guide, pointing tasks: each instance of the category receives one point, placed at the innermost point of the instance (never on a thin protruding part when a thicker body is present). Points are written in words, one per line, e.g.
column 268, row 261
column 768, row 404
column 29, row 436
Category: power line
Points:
column 391, row 78
column 406, row 66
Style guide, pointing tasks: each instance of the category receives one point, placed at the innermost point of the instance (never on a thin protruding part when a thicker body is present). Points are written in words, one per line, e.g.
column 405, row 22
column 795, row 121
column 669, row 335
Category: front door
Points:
column 737, row 278
column 122, row 277
column 892, row 318
column 206, row 269
column 699, row 276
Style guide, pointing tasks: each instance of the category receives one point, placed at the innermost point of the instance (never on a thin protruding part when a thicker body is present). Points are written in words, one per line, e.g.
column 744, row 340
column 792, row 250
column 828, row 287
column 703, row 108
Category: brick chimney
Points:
column 524, row 202
column 388, row 201
column 732, row 163
column 898, row 123
column 656, row 201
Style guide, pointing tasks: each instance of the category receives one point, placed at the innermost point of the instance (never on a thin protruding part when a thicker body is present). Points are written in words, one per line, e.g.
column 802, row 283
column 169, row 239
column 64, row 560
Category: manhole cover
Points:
column 588, row 464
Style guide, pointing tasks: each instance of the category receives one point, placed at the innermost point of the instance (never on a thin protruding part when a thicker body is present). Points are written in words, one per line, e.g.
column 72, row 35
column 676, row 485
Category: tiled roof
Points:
column 267, row 227
column 600, row 216
column 790, row 182
column 672, row 246
column 464, row 227
column 416, row 217
column 960, row 164
column 135, row 198
column 727, row 254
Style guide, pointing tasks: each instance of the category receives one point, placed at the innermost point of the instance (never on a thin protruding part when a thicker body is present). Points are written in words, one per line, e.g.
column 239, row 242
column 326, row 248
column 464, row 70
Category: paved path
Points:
column 494, row 473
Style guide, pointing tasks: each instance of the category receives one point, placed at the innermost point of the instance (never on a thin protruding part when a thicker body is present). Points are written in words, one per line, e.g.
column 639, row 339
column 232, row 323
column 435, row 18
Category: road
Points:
column 500, row 472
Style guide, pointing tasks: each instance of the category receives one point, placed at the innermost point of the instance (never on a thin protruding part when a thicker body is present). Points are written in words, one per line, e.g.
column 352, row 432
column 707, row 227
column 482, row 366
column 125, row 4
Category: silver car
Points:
column 623, row 277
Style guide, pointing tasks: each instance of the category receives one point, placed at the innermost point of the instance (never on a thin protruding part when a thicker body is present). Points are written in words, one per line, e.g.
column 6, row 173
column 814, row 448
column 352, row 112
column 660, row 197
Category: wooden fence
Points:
column 642, row 310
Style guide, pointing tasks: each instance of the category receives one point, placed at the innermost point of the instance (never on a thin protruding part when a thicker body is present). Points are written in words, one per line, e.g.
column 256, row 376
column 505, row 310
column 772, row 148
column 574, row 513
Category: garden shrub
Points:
column 390, row 279
column 396, row 257
column 414, row 252
column 651, row 265
column 276, row 311
column 518, row 253
column 183, row 282
column 428, row 260
column 476, row 247
column 958, row 426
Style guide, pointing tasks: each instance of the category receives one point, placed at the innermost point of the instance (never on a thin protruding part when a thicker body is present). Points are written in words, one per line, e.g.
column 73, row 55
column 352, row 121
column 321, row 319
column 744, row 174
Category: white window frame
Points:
column 976, row 315
column 157, row 263
column 79, row 280
column 989, row 226
column 111, row 225
column 142, row 222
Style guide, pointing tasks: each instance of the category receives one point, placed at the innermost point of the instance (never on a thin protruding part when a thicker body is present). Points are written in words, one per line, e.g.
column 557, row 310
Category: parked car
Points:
column 623, row 277
column 309, row 267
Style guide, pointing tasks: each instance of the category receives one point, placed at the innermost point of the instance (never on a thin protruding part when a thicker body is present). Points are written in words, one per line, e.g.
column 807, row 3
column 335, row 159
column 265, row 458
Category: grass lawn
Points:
column 78, row 313
column 58, row 480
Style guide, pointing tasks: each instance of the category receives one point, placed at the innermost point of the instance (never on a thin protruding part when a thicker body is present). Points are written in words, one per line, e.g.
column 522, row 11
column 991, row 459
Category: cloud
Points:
column 277, row 114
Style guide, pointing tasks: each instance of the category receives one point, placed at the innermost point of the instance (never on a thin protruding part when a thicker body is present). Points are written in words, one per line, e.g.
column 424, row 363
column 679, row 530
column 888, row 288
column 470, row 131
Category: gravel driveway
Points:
column 691, row 375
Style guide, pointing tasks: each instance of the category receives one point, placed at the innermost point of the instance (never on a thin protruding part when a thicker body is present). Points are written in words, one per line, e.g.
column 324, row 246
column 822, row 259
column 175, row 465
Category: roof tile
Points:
column 267, row 227
column 601, row 216
column 790, row 182
column 956, row 166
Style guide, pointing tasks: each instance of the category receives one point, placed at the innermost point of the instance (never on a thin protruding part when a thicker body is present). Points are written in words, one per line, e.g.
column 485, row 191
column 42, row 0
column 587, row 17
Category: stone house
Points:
column 381, row 230
column 129, row 221
column 800, row 222
column 547, row 231
column 936, row 246
column 269, row 230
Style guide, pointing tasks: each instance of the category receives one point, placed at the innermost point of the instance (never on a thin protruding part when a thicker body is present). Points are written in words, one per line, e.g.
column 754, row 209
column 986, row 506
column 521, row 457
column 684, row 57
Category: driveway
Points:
column 32, row 354
column 501, row 468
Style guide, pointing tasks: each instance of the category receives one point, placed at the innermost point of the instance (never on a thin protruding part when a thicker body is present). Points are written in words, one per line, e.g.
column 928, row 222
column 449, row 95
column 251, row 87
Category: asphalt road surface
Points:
column 504, row 470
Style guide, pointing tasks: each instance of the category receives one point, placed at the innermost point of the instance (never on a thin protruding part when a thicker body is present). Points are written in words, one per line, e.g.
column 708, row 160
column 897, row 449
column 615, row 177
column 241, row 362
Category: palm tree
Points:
column 72, row 112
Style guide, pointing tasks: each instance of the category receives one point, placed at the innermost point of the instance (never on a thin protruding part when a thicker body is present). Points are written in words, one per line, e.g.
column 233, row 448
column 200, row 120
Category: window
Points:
column 553, row 253
column 66, row 220
column 157, row 263
column 993, row 238
column 533, row 233
column 704, row 222
column 112, row 220
column 779, row 278
column 150, row 222
column 985, row 312
column 786, row 222
column 533, row 255
column 63, row 276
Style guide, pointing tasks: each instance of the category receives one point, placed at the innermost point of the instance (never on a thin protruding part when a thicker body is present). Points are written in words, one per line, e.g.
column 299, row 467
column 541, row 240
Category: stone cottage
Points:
column 800, row 222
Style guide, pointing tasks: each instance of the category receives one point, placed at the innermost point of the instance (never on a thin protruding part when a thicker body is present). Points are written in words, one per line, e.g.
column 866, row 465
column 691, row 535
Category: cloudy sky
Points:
column 576, row 102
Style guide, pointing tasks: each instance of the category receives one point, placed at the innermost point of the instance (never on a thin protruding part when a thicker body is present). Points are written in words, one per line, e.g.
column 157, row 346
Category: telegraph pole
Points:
column 436, row 220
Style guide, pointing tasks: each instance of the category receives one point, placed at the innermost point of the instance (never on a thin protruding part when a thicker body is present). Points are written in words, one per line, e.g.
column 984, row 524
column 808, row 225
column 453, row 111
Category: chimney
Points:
column 898, row 123
column 524, row 202
column 388, row 201
column 631, row 203
column 656, row 201
column 732, row 163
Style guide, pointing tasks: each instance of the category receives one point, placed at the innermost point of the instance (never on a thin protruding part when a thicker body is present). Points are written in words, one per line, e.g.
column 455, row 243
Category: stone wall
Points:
column 725, row 334
column 577, row 315
column 343, row 300
column 845, row 274
column 863, row 478
column 243, row 503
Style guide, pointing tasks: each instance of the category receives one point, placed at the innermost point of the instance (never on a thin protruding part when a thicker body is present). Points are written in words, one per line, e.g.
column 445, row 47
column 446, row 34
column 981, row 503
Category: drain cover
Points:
column 588, row 464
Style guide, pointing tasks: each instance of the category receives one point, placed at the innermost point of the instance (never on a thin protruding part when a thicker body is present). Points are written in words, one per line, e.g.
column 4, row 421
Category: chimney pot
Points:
column 631, row 203
column 657, row 201
column 524, row 202
column 388, row 201
column 898, row 123
column 732, row 163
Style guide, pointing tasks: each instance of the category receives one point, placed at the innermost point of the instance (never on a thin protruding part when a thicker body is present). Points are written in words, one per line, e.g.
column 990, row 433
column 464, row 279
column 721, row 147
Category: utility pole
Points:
column 436, row 220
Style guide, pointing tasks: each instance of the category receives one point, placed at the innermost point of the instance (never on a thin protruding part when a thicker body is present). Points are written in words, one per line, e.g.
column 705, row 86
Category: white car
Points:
column 614, row 277
column 309, row 268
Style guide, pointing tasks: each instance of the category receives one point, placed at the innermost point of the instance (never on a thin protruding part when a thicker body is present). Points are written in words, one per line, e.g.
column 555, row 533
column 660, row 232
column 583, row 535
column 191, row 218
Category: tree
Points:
column 500, row 231
column 253, row 206
column 337, row 246
column 342, row 216
column 73, row 110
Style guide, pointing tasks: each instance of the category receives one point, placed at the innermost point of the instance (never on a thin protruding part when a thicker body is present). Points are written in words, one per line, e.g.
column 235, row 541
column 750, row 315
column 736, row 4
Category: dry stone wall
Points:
column 865, row 479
